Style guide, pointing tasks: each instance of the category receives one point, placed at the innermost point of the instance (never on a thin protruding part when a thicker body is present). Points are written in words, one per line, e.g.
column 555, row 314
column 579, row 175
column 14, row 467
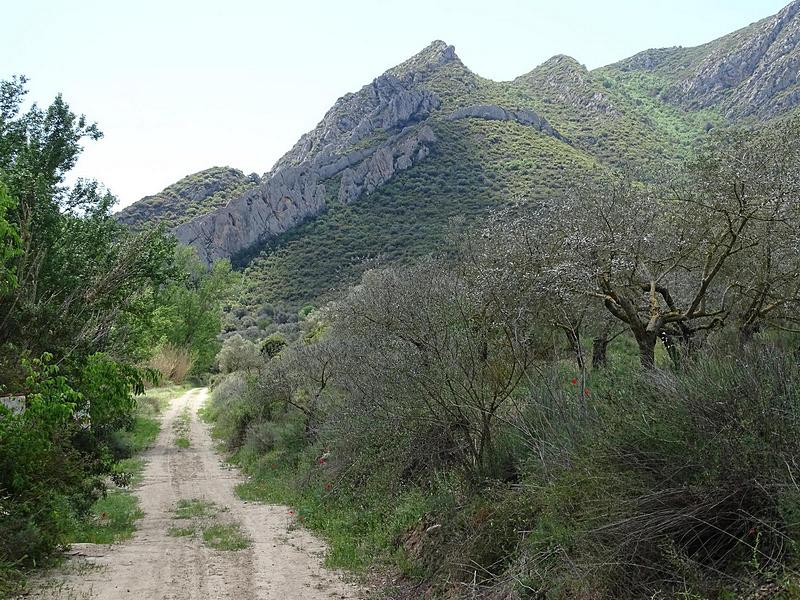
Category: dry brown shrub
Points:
column 173, row 362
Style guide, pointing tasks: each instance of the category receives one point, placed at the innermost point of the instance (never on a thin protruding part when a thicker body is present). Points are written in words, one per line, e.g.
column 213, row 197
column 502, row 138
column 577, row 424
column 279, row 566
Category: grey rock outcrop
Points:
column 286, row 199
column 400, row 153
column 390, row 101
column 366, row 137
column 492, row 112
column 752, row 73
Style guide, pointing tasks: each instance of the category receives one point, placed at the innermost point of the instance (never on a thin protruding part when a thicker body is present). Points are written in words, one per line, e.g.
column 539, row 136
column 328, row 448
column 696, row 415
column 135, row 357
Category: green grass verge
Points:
column 127, row 472
column 359, row 531
column 226, row 536
column 140, row 437
column 163, row 394
column 111, row 519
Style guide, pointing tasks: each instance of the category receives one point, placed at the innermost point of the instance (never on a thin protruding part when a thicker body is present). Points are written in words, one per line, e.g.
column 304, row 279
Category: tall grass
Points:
column 173, row 362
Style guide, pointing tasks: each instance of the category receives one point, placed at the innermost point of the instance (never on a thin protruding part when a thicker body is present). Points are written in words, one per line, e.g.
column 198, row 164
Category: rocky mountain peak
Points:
column 560, row 63
column 562, row 80
column 362, row 141
column 394, row 99
column 653, row 59
column 434, row 55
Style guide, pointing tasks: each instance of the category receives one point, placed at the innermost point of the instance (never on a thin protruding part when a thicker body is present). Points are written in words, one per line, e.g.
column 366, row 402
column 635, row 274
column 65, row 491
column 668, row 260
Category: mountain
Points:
column 189, row 198
column 751, row 72
column 389, row 165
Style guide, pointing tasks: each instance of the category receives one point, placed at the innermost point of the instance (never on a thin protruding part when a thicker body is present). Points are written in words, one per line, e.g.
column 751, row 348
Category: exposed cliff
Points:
column 750, row 72
column 366, row 138
column 492, row 112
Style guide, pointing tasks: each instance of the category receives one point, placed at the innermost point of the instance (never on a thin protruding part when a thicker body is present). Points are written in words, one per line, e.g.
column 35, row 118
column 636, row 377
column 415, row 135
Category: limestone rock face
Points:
column 493, row 112
column 283, row 201
column 366, row 138
column 383, row 105
column 755, row 73
column 408, row 147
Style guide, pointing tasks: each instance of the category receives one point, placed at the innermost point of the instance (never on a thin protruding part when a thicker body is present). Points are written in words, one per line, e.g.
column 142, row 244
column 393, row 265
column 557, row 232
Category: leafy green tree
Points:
column 72, row 279
column 273, row 345
column 91, row 299
column 239, row 354
column 9, row 244
column 190, row 311
column 110, row 387
column 41, row 473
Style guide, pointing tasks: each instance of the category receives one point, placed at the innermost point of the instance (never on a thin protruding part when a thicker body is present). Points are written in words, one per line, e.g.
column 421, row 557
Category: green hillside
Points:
column 192, row 196
column 477, row 165
column 642, row 114
column 606, row 116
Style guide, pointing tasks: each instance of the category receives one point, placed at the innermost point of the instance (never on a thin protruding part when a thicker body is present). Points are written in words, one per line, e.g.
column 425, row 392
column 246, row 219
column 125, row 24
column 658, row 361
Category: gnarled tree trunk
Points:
column 600, row 351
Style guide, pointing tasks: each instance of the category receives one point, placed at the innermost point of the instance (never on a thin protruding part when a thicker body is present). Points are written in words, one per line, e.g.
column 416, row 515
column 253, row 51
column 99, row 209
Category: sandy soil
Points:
column 284, row 561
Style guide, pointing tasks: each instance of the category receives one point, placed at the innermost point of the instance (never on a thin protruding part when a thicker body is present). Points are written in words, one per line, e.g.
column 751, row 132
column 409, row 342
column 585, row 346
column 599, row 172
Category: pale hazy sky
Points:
column 179, row 86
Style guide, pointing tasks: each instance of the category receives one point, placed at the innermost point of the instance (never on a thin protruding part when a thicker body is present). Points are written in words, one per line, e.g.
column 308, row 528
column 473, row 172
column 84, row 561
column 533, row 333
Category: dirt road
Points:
column 283, row 561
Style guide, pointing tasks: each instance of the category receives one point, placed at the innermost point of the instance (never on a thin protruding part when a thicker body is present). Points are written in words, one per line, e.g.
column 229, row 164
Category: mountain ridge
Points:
column 431, row 115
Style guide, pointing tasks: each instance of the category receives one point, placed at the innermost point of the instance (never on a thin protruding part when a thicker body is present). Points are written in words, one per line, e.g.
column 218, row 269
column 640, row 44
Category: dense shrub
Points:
column 238, row 354
column 645, row 484
column 45, row 480
column 272, row 345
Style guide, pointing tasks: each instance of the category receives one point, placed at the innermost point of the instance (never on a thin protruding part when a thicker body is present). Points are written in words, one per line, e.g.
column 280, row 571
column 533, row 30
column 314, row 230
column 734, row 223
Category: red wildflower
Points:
column 586, row 392
column 321, row 461
column 291, row 513
column 574, row 381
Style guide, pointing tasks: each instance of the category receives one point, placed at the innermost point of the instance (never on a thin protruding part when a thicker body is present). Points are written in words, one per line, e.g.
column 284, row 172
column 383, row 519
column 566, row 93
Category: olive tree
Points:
column 438, row 350
column 526, row 251
column 749, row 181
column 714, row 246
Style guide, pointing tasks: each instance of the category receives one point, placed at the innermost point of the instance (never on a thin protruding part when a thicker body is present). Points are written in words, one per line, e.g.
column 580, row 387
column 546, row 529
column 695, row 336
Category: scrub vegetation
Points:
column 594, row 397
